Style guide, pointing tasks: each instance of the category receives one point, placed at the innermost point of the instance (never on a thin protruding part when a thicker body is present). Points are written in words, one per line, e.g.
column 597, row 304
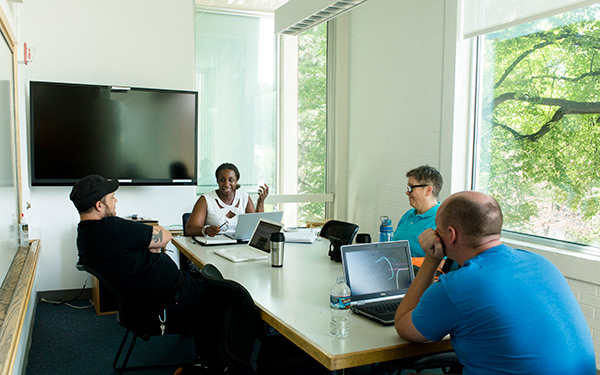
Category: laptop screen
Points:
column 378, row 269
column 262, row 234
column 247, row 223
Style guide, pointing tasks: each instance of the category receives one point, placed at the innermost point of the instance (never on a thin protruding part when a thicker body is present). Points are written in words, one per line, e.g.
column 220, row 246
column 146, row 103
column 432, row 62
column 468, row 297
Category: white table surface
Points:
column 294, row 299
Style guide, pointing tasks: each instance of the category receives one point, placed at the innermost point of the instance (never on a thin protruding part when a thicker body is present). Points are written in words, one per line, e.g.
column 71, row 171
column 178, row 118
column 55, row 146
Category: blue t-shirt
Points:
column 508, row 312
column 412, row 225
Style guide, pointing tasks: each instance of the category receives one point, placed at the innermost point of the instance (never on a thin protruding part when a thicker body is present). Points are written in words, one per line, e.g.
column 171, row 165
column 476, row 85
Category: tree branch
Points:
column 567, row 106
column 548, row 38
column 570, row 79
column 518, row 60
column 558, row 115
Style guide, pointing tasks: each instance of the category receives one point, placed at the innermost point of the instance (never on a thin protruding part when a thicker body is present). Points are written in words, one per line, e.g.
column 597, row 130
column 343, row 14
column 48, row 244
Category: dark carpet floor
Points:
column 67, row 341
column 77, row 341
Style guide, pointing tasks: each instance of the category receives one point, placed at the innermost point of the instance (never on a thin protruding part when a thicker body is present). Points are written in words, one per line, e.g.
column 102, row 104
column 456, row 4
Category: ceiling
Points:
column 252, row 5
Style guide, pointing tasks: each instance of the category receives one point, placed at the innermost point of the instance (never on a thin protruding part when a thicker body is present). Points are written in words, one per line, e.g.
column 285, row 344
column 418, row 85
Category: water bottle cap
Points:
column 386, row 223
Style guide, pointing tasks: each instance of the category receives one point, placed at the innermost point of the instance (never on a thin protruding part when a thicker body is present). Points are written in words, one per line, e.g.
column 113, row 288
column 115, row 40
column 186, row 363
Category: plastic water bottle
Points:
column 385, row 229
column 339, row 303
column 23, row 232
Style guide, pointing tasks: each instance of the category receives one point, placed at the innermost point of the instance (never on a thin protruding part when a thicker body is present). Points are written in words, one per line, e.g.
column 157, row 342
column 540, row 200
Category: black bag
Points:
column 335, row 253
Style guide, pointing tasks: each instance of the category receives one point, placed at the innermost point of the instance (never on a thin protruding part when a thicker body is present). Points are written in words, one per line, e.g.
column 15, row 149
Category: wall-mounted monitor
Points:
column 140, row 136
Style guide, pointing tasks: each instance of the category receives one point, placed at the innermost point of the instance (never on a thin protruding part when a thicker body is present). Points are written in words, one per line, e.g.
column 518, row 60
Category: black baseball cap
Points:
column 90, row 190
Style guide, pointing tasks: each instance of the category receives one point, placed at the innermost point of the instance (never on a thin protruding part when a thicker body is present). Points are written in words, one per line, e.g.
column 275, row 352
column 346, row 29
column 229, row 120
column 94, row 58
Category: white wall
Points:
column 394, row 105
column 143, row 43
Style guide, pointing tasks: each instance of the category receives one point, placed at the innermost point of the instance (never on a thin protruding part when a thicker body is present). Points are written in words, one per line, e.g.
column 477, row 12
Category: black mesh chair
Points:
column 338, row 233
column 446, row 362
column 142, row 321
column 185, row 264
column 184, row 219
column 248, row 344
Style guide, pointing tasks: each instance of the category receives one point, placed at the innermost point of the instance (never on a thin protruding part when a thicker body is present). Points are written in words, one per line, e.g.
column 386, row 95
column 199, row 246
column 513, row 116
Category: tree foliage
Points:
column 540, row 134
column 312, row 115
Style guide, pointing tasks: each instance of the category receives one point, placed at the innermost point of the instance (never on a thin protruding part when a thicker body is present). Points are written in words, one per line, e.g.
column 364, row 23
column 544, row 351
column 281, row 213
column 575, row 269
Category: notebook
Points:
column 378, row 275
column 243, row 230
column 247, row 222
column 219, row 239
column 301, row 235
column 257, row 248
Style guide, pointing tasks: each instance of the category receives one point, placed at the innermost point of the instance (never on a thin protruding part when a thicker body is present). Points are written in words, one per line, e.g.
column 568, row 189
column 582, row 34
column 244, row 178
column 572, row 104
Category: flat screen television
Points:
column 140, row 136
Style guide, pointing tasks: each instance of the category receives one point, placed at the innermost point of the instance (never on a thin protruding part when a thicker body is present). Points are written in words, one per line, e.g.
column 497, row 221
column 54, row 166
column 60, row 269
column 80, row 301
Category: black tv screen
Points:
column 140, row 136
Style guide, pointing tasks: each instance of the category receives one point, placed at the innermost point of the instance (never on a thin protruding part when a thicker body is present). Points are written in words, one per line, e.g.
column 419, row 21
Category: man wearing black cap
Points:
column 127, row 254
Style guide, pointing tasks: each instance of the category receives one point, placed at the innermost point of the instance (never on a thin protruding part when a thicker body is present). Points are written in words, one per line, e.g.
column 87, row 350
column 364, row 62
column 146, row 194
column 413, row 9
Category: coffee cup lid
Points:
column 277, row 237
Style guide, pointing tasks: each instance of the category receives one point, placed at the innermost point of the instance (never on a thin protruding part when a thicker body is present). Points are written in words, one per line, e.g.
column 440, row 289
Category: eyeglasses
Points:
column 410, row 188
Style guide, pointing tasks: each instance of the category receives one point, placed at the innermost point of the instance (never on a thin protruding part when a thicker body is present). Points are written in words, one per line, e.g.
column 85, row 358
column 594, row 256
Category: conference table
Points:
column 294, row 299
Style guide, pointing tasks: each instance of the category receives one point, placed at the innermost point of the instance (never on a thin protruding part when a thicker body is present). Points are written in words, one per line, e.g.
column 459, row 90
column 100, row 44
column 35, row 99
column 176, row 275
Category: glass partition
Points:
column 8, row 160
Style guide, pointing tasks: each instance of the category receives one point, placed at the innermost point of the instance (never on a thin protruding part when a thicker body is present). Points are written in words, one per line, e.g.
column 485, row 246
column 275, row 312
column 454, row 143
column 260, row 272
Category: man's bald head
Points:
column 476, row 215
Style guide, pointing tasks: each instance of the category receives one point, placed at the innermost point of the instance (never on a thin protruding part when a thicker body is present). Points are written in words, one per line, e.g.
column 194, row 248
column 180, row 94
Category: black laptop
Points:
column 378, row 275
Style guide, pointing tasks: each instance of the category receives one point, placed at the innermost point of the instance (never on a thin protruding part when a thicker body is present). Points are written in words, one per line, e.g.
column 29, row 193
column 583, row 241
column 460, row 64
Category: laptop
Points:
column 378, row 275
column 243, row 230
column 257, row 248
column 247, row 222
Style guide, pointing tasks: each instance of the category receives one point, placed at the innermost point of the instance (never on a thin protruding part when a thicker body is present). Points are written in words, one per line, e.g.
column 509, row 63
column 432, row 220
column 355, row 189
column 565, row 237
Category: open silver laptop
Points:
column 378, row 275
column 247, row 223
column 257, row 248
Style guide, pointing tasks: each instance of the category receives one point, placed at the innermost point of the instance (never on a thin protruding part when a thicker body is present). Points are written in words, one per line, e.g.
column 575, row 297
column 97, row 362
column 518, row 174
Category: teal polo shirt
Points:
column 412, row 225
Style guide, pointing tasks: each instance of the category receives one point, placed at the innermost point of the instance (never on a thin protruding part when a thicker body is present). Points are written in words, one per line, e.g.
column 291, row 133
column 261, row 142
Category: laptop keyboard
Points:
column 384, row 307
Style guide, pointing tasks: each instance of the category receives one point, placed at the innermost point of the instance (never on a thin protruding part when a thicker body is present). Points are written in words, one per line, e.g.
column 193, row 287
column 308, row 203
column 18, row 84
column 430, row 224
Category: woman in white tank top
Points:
column 219, row 209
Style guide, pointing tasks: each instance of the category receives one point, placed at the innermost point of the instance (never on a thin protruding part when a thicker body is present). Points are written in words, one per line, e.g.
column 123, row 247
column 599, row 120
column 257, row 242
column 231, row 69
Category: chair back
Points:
column 184, row 218
column 243, row 328
column 141, row 319
column 338, row 233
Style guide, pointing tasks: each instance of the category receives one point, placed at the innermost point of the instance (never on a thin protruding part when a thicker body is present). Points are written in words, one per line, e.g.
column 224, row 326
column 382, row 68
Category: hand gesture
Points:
column 263, row 191
column 432, row 244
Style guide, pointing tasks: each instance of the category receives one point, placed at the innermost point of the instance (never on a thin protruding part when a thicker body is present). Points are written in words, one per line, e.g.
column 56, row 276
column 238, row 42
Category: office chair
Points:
column 184, row 219
column 447, row 362
column 338, row 233
column 247, row 343
column 142, row 321
column 185, row 264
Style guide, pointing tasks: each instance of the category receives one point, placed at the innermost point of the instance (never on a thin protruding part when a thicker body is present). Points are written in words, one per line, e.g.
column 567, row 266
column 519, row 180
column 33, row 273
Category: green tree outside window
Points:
column 539, row 132
column 312, row 116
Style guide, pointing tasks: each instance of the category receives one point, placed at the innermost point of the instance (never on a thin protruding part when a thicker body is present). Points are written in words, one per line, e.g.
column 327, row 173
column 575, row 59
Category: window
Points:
column 312, row 115
column 235, row 78
column 538, row 125
column 237, row 63
column 304, row 126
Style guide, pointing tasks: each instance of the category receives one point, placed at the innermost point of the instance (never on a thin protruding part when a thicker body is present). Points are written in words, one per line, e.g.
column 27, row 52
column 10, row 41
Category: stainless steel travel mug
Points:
column 277, row 245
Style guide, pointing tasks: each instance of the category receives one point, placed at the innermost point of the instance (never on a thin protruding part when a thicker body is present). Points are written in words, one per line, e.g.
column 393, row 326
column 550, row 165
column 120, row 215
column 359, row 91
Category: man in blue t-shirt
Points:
column 507, row 311
column 423, row 187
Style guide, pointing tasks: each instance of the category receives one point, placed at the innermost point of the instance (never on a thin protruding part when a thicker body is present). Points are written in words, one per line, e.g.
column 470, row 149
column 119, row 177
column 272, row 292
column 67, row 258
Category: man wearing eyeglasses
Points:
column 423, row 187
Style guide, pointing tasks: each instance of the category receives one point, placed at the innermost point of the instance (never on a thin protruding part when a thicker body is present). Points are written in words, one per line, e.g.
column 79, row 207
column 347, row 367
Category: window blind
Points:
column 485, row 16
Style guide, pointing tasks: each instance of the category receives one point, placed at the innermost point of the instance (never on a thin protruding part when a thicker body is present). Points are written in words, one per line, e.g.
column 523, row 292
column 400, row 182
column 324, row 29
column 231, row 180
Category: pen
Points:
column 221, row 226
